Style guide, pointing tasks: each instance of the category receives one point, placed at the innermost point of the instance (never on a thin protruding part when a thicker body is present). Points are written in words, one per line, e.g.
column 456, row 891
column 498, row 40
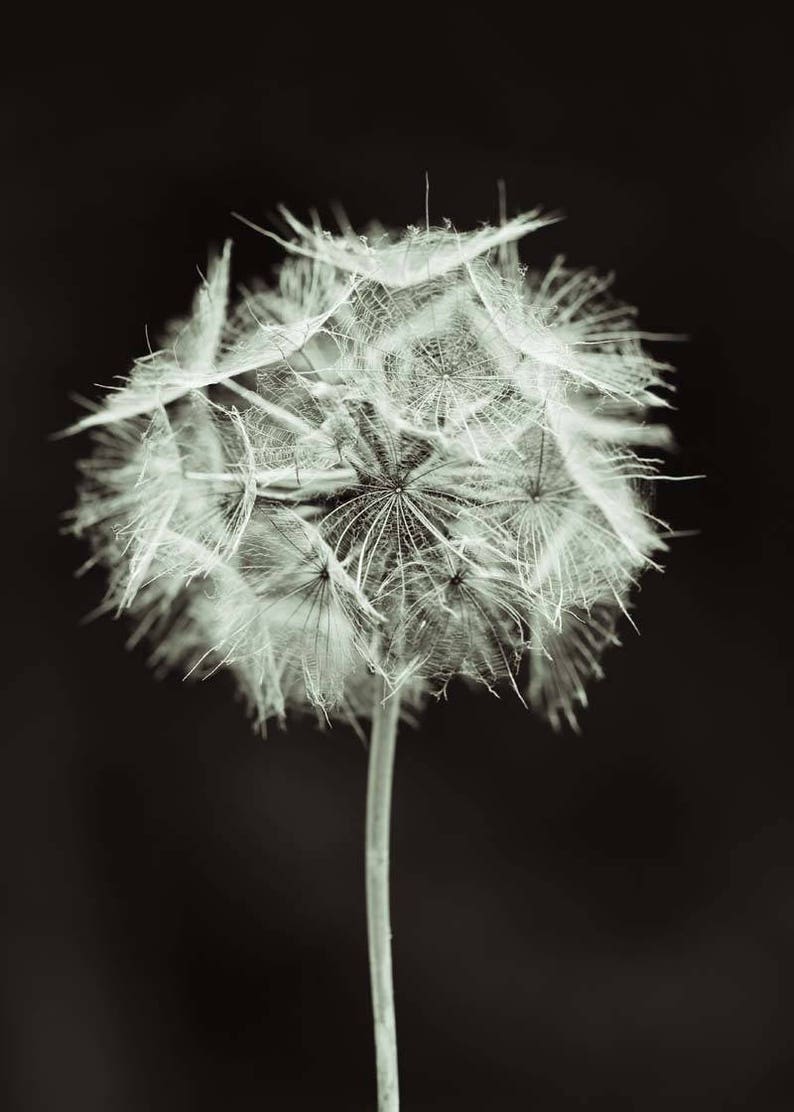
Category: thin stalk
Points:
column 385, row 718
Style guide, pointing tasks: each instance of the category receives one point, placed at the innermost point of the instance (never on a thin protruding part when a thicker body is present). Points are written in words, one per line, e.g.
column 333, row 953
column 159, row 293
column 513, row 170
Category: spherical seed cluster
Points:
column 410, row 460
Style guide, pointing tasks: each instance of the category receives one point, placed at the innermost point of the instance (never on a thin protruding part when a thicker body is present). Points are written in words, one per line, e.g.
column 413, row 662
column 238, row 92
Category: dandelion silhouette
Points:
column 411, row 460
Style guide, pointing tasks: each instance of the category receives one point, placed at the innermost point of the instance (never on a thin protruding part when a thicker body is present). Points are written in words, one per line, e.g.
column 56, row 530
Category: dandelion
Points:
column 409, row 461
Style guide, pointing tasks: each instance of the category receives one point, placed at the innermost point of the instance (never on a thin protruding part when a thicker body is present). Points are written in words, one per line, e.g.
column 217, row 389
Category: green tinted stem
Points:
column 385, row 718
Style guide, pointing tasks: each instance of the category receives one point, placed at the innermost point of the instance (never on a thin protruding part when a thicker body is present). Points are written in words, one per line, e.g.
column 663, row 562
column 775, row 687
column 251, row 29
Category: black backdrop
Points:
column 595, row 922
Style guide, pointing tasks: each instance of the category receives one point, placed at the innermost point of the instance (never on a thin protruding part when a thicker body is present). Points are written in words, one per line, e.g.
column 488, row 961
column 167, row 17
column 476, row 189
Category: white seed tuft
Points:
column 411, row 459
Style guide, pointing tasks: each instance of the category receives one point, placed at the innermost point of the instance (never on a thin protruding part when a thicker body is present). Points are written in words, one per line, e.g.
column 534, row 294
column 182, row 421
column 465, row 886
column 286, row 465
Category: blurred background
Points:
column 600, row 922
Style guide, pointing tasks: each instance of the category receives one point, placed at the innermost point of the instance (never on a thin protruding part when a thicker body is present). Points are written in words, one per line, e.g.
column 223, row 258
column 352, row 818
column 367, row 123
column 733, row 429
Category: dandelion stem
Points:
column 385, row 717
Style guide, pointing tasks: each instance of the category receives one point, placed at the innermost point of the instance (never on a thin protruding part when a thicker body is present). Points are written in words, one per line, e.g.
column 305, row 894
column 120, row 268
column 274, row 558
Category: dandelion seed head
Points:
column 409, row 459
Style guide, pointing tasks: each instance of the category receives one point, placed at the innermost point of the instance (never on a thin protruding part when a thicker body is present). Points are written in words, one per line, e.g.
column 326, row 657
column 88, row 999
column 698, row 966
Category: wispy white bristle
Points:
column 407, row 460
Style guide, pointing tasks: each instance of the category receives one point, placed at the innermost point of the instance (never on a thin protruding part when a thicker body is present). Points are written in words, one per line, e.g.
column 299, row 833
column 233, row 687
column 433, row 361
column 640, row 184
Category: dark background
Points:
column 604, row 922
